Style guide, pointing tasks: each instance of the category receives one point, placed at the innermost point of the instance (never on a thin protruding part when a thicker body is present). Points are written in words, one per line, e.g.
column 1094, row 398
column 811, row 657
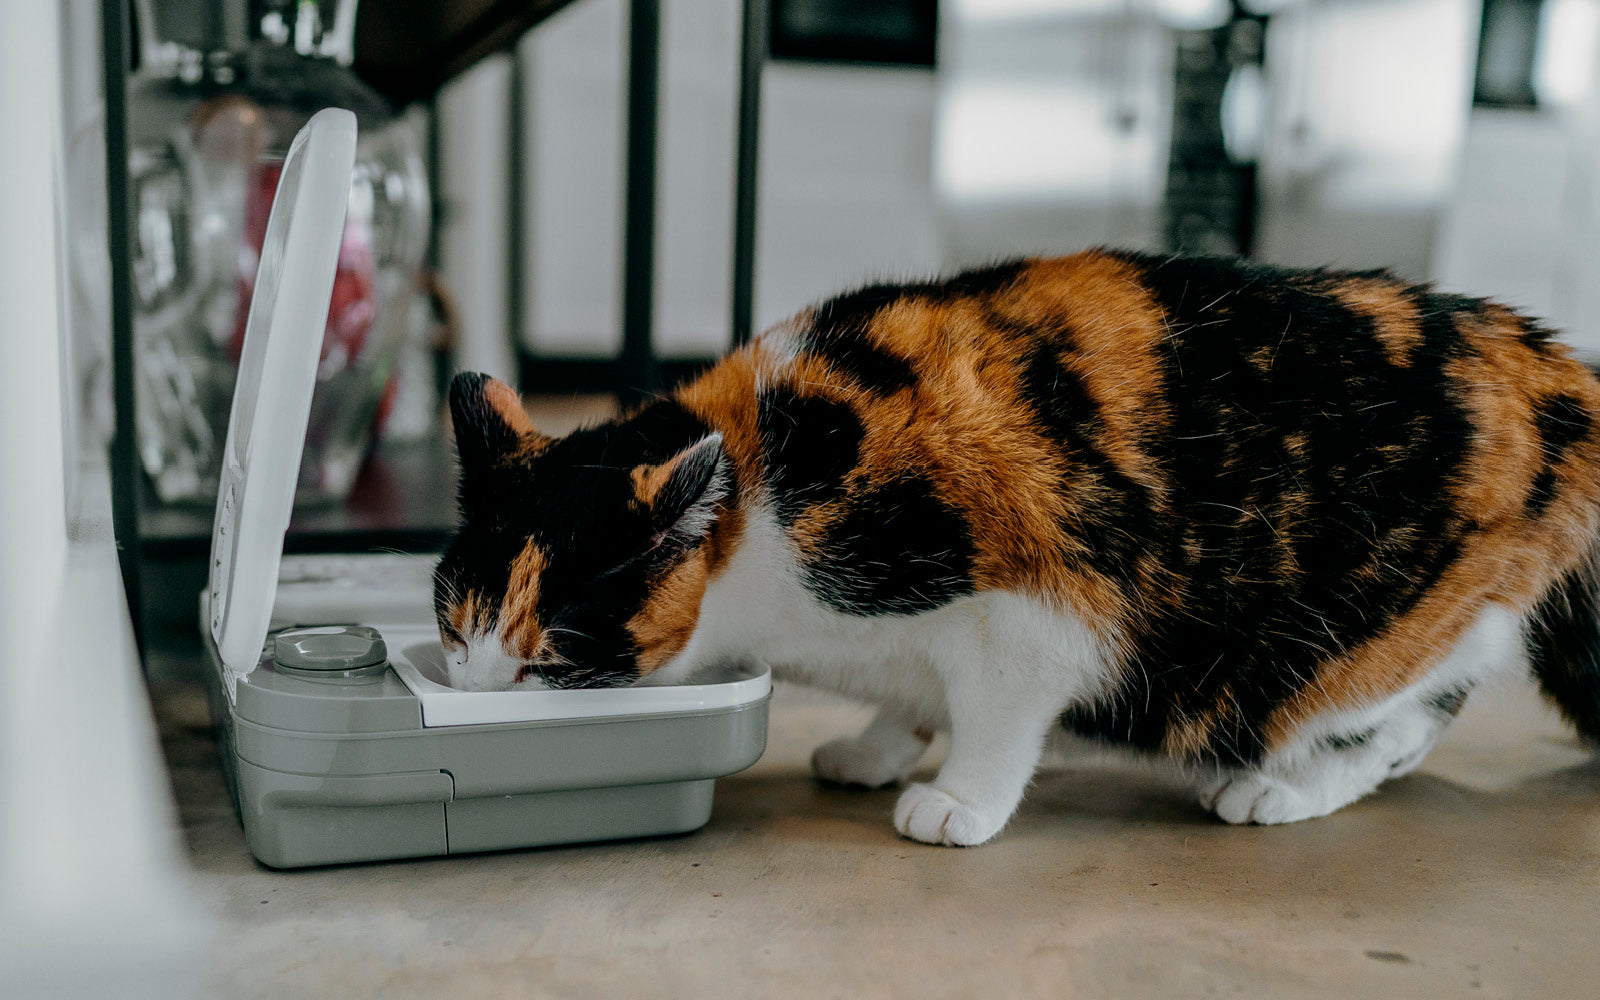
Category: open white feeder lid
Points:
column 272, row 397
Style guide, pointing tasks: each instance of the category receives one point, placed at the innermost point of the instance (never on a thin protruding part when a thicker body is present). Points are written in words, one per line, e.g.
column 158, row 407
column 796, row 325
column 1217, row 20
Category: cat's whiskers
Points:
column 555, row 630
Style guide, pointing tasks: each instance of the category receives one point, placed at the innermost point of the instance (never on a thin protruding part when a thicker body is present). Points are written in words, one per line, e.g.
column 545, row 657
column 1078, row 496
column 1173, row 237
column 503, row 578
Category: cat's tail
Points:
column 1563, row 642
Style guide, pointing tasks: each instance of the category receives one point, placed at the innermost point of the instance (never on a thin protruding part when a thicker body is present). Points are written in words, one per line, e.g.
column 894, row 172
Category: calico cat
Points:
column 1274, row 524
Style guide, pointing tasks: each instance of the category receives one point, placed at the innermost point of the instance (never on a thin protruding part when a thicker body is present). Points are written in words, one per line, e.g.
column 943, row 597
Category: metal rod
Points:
column 637, row 377
column 435, row 192
column 515, row 173
column 124, row 456
column 752, row 57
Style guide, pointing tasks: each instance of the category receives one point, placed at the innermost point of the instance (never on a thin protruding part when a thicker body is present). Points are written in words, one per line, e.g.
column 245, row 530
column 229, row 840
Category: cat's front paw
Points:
column 934, row 817
column 1255, row 798
column 852, row 761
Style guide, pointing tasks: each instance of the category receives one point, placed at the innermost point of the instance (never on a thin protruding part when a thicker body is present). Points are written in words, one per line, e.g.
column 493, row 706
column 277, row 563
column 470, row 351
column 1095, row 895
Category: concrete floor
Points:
column 1477, row 876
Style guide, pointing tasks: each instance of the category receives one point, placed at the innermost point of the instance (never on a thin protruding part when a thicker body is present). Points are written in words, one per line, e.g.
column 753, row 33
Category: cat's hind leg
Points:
column 1327, row 772
column 883, row 754
column 1339, row 758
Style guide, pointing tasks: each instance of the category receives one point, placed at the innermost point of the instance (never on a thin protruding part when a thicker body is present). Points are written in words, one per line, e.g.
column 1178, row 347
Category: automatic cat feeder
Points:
column 340, row 737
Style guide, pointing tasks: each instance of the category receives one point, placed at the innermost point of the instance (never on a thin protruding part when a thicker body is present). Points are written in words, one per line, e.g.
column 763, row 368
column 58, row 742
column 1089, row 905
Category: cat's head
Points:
column 579, row 561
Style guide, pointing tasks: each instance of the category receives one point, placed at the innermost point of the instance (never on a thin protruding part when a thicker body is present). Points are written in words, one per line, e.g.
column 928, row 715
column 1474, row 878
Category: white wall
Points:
column 1369, row 104
column 1047, row 130
column 1054, row 123
column 92, row 901
column 1505, row 230
column 845, row 180
column 1523, row 220
column 573, row 68
column 474, row 232
column 846, row 183
column 33, row 501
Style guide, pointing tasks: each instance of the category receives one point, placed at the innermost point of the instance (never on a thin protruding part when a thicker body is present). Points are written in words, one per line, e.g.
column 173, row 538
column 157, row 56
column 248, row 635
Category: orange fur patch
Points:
column 505, row 402
column 1394, row 316
column 961, row 421
column 649, row 479
column 520, row 631
column 663, row 626
column 725, row 398
column 1191, row 738
column 508, row 405
column 957, row 425
column 464, row 616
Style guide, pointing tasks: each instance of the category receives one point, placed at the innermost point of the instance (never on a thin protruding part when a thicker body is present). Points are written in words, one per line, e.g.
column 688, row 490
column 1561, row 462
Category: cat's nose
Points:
column 470, row 680
column 529, row 679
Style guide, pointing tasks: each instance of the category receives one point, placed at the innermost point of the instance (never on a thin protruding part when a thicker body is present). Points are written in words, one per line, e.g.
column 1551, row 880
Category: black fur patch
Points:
column 1286, row 413
column 810, row 444
column 865, row 302
column 649, row 437
column 1350, row 741
column 1541, row 493
column 1533, row 334
column 1111, row 515
column 1561, row 421
column 841, row 327
column 855, row 310
column 986, row 280
column 898, row 549
column 850, row 350
column 481, row 434
column 1448, row 703
column 1563, row 643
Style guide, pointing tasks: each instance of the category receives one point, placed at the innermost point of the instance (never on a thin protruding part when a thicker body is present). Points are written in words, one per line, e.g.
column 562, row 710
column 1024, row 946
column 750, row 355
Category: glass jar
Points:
column 208, row 132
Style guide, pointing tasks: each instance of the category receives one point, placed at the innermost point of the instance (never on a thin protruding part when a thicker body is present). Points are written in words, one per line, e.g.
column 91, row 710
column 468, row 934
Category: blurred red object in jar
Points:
column 354, row 304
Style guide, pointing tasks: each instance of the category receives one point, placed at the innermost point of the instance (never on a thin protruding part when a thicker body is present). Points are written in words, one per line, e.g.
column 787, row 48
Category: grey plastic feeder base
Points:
column 326, row 772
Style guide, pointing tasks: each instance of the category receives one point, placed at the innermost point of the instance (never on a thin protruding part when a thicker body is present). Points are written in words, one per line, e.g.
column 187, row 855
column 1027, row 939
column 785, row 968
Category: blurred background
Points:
column 1447, row 139
column 593, row 199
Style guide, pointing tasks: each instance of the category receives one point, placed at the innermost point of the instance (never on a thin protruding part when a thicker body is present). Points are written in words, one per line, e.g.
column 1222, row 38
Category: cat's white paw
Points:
column 934, row 817
column 852, row 761
column 1255, row 798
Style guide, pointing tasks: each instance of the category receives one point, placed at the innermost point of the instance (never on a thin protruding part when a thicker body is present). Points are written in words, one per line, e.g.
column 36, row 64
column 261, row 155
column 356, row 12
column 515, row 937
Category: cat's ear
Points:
column 489, row 421
column 683, row 492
